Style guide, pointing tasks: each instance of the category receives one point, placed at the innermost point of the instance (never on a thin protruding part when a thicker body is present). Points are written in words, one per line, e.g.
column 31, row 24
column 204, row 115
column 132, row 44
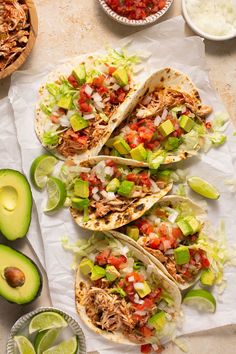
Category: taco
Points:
column 81, row 103
column 169, row 234
column 167, row 124
column 122, row 295
column 108, row 192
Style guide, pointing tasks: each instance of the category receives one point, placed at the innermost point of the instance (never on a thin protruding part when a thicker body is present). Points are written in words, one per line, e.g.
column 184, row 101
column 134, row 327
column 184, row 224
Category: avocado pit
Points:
column 14, row 277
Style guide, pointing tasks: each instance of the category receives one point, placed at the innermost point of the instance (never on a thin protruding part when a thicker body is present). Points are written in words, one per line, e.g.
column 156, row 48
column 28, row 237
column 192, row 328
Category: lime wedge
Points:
column 46, row 320
column 41, row 167
column 45, row 339
column 24, row 345
column 201, row 299
column 56, row 190
column 69, row 346
column 203, row 188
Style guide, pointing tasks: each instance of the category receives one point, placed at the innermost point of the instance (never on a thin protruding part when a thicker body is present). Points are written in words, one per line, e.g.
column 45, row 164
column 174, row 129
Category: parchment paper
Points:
column 168, row 47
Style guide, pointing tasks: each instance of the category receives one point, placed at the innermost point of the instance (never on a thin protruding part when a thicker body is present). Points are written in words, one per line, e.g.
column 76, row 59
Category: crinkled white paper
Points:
column 168, row 47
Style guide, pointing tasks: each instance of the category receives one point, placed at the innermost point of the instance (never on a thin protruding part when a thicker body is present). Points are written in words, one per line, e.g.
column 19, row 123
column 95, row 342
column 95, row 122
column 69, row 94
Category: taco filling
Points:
column 122, row 294
column 76, row 109
column 165, row 121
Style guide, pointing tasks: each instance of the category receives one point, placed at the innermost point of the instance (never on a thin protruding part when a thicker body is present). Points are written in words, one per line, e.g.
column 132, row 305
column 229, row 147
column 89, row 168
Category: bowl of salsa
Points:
column 135, row 13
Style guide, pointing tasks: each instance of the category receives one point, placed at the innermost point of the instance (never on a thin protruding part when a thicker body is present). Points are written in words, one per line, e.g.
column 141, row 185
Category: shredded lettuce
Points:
column 50, row 139
column 46, row 109
column 190, row 141
column 220, row 120
column 181, row 190
column 217, row 139
column 179, row 175
column 214, row 136
column 119, row 58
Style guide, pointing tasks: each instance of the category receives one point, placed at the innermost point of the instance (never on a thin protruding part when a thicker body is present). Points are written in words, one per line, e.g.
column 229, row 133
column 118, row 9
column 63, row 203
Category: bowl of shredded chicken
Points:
column 18, row 30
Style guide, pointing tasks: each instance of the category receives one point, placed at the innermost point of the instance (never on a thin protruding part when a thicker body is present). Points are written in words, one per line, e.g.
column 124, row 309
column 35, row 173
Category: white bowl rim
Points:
column 199, row 31
column 26, row 317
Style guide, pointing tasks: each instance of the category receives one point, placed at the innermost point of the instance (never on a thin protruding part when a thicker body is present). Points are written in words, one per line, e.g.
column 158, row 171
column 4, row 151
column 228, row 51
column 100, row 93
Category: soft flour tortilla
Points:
column 115, row 219
column 167, row 284
column 174, row 200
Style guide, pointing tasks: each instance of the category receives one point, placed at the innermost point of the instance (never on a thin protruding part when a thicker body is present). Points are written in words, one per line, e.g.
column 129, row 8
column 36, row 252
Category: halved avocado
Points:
column 20, row 278
column 15, row 204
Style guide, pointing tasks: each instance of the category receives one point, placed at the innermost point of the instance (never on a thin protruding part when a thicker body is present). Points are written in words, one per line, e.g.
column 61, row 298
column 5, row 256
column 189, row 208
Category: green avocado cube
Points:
column 121, row 146
column 113, row 185
column 81, row 188
column 121, row 76
column 125, row 188
column 111, row 141
column 139, row 153
column 118, row 290
column 78, row 122
column 144, row 291
column 193, row 223
column 184, row 227
column 186, row 123
column 207, row 277
column 80, row 204
column 97, row 273
column 111, row 273
column 158, row 321
column 133, row 232
column 86, row 266
column 65, row 102
column 166, row 128
column 53, row 88
column 172, row 143
column 80, row 73
column 182, row 255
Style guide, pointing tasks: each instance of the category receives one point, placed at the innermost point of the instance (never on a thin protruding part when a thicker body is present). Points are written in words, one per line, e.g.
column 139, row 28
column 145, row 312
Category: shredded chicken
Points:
column 157, row 253
column 14, row 30
column 70, row 143
column 105, row 206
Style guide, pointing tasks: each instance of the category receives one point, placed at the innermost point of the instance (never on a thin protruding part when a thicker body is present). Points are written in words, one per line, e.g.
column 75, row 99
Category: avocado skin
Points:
column 33, row 264
column 9, row 235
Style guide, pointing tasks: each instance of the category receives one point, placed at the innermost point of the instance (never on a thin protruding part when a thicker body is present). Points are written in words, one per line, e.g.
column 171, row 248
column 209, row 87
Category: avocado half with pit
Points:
column 20, row 278
column 15, row 204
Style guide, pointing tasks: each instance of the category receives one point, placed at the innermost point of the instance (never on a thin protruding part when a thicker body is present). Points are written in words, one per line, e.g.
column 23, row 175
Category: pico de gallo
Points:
column 136, row 10
column 170, row 232
column 77, row 108
column 122, row 294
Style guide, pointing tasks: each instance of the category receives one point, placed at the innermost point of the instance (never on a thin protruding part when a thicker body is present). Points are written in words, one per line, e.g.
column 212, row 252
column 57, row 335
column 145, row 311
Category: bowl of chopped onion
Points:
column 135, row 13
column 212, row 19
column 18, row 31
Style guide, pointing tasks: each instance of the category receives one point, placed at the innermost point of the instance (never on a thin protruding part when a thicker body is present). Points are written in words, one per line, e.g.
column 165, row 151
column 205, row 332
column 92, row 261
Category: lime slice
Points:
column 45, row 339
column 46, row 320
column 203, row 188
column 24, row 345
column 69, row 346
column 41, row 167
column 56, row 190
column 200, row 299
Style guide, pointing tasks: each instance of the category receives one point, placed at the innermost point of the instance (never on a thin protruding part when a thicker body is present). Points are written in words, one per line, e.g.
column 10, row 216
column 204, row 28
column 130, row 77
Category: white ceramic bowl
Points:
column 22, row 322
column 199, row 31
column 126, row 21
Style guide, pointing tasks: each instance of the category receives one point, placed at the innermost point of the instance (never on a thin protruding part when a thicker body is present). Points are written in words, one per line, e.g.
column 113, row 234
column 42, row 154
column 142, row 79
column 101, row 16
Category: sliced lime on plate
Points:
column 45, row 339
column 56, row 190
column 46, row 320
column 201, row 299
column 203, row 187
column 41, row 168
column 69, row 346
column 24, row 345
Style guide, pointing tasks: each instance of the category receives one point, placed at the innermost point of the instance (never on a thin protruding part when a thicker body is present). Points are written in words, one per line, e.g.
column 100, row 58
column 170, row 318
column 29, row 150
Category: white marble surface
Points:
column 70, row 27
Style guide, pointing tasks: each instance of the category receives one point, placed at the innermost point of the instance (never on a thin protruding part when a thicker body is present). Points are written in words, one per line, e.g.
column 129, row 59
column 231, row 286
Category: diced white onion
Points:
column 126, row 87
column 141, row 313
column 139, row 286
column 95, row 190
column 155, row 347
column 131, row 279
column 88, row 90
column 64, row 121
column 96, row 97
column 99, row 170
column 126, row 129
column 89, row 116
column 164, row 114
column 157, row 121
column 137, row 300
column 124, row 250
column 106, row 100
column 173, row 215
column 99, row 105
column 169, row 252
column 115, row 87
column 109, row 170
column 147, row 99
column 96, row 197
column 154, row 187
column 111, row 196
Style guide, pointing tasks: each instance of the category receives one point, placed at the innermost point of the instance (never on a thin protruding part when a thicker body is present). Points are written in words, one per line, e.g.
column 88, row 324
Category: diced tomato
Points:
column 137, row 277
column 176, row 232
column 144, row 226
column 54, row 119
column 103, row 89
column 145, row 134
column 160, row 213
column 132, row 177
column 146, row 348
column 129, row 289
column 145, row 180
column 205, row 262
column 134, row 126
column 155, row 294
column 208, row 125
column 110, row 163
column 117, row 261
column 72, row 80
column 98, row 81
column 113, row 98
column 154, row 243
column 121, row 96
column 147, row 304
column 111, row 70
column 146, row 331
column 85, row 107
column 152, row 145
column 163, row 230
column 102, row 257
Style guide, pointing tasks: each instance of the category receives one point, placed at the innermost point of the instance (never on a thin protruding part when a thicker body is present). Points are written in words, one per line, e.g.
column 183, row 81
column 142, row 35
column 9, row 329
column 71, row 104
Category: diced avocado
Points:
column 166, row 128
column 15, row 204
column 78, row 122
column 207, row 277
column 114, row 152
column 86, row 266
column 145, row 291
column 113, row 185
column 158, row 321
column 155, row 159
column 125, row 188
column 121, row 146
column 20, row 278
column 133, row 232
column 182, row 255
column 118, row 290
column 186, row 123
column 81, row 188
column 80, row 73
column 104, row 117
column 164, row 175
column 184, row 227
column 65, row 102
column 139, row 153
column 111, row 141
column 111, row 273
column 193, row 223
column 79, row 203
column 97, row 273
column 172, row 143
column 121, row 76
